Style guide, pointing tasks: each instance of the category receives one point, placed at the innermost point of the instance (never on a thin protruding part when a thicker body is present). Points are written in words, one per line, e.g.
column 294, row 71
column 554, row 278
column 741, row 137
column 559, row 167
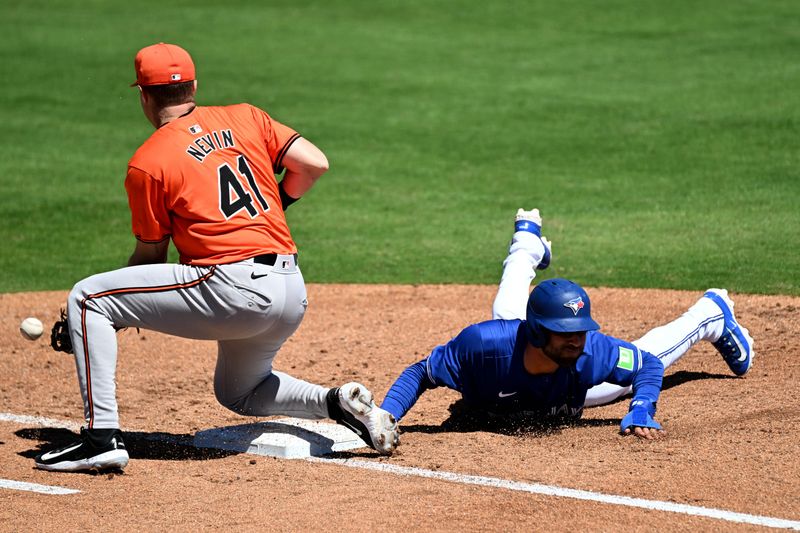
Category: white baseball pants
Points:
column 703, row 321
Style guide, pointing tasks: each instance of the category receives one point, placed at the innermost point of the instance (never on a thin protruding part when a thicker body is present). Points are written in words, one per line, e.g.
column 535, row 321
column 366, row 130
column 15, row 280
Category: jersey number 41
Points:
column 233, row 195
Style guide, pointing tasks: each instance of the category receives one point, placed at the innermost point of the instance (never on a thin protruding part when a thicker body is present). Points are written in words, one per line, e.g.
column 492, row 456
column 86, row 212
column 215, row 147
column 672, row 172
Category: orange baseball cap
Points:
column 162, row 64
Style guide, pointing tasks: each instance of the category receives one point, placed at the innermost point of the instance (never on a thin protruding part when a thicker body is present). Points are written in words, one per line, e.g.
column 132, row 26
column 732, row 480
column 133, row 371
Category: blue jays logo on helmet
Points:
column 576, row 304
column 553, row 306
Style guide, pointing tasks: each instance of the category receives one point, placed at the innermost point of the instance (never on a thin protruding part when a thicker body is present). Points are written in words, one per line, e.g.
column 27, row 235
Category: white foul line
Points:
column 532, row 488
column 39, row 421
column 34, row 487
column 551, row 490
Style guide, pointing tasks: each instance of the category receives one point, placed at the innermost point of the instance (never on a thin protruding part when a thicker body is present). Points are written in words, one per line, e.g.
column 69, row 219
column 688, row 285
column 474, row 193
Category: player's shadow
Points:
column 679, row 378
column 683, row 376
column 140, row 445
column 464, row 419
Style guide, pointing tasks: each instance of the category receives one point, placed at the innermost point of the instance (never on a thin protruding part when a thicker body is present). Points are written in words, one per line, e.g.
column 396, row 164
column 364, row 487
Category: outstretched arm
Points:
column 444, row 367
column 621, row 363
column 407, row 389
column 646, row 388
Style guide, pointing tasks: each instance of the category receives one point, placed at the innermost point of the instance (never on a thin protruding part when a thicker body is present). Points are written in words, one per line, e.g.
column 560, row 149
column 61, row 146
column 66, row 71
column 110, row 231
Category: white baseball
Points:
column 31, row 328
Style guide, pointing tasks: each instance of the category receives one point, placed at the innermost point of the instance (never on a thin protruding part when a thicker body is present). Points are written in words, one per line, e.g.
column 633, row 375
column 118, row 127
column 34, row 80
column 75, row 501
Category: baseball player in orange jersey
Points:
column 206, row 180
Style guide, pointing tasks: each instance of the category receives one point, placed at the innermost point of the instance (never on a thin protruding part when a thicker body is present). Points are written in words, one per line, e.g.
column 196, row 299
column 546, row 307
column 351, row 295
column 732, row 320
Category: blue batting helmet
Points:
column 558, row 305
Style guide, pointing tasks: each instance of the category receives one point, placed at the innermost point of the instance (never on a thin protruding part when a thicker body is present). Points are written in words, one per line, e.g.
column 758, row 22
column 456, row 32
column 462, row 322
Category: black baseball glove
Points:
column 59, row 335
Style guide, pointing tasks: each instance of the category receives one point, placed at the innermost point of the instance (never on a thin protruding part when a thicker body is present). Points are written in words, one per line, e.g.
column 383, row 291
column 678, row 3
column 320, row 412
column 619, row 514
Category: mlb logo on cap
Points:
column 162, row 64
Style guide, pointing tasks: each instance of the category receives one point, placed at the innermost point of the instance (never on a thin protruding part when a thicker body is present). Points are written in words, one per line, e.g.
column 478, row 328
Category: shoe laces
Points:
column 727, row 347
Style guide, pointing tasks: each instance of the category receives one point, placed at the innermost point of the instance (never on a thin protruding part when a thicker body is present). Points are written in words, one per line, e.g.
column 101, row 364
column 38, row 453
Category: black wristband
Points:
column 286, row 200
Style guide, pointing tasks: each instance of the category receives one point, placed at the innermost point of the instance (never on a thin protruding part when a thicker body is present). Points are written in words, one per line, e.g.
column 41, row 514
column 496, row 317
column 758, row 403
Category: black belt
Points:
column 269, row 259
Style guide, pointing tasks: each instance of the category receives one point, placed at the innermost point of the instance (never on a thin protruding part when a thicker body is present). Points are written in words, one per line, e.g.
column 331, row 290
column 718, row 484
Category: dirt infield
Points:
column 732, row 442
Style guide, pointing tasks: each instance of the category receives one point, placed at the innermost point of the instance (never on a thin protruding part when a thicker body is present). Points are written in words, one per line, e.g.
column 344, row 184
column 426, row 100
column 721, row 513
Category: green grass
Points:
column 659, row 141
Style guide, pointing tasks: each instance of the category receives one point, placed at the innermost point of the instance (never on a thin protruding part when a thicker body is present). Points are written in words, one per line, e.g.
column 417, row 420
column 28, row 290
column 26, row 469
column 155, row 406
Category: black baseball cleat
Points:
column 352, row 406
column 98, row 449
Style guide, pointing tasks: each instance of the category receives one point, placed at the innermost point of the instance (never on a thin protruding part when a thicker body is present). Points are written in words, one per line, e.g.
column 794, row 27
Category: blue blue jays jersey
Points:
column 485, row 364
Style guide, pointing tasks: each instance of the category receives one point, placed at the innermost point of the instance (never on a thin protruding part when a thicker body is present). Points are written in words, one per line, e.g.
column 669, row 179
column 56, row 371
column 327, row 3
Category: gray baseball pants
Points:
column 249, row 308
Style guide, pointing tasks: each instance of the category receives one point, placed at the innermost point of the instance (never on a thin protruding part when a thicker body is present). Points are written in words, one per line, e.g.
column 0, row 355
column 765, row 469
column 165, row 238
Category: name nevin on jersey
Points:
column 205, row 144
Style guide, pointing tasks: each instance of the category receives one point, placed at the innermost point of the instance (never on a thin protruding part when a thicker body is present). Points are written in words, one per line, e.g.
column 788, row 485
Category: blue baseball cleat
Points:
column 735, row 344
column 531, row 221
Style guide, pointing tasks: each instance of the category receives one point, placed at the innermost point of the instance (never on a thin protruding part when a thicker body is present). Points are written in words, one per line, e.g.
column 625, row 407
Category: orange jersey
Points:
column 207, row 179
